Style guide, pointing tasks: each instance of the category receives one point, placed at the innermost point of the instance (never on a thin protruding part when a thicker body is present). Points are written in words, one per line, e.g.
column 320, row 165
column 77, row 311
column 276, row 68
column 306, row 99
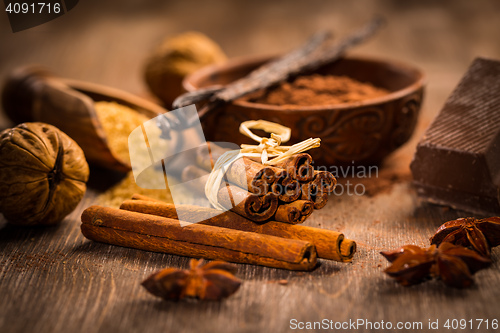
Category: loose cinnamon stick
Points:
column 327, row 242
column 312, row 192
column 258, row 177
column 299, row 166
column 160, row 234
column 253, row 207
column 347, row 249
column 295, row 212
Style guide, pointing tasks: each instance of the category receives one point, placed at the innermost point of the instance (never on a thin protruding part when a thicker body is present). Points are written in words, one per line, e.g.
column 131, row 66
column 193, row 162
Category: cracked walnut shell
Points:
column 42, row 174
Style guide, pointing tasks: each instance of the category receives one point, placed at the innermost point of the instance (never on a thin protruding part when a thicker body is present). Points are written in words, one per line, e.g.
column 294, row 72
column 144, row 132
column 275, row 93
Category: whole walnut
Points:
column 176, row 58
column 43, row 173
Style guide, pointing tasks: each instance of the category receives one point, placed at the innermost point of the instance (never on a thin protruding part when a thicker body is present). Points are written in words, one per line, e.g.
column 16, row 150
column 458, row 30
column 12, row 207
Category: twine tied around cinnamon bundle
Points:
column 269, row 151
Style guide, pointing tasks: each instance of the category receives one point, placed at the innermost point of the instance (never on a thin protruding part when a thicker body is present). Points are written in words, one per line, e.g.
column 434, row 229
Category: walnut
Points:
column 176, row 58
column 42, row 174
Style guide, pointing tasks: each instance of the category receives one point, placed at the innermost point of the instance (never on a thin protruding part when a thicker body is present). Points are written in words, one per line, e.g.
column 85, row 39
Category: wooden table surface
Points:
column 55, row 280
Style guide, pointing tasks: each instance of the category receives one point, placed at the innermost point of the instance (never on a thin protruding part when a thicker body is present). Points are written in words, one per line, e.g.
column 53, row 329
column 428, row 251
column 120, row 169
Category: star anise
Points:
column 453, row 264
column 481, row 235
column 212, row 281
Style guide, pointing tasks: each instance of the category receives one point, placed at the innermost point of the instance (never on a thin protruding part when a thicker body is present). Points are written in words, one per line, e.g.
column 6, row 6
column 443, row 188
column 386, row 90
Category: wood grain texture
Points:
column 54, row 280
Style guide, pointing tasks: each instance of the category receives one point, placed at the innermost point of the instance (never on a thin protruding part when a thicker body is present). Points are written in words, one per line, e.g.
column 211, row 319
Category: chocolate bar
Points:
column 457, row 162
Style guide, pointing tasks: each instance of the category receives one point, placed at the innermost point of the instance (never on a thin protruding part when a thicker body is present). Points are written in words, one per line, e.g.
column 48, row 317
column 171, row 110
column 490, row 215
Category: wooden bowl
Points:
column 361, row 132
column 32, row 93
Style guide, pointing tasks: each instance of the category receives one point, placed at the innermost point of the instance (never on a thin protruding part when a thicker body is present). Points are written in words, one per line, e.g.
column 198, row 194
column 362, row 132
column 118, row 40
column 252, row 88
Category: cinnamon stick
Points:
column 325, row 181
column 258, row 177
column 160, row 234
column 253, row 207
column 285, row 186
column 299, row 166
column 295, row 212
column 327, row 242
column 312, row 192
column 347, row 249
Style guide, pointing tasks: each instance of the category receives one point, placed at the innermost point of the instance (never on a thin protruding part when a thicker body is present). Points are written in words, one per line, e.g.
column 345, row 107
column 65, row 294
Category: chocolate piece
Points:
column 457, row 162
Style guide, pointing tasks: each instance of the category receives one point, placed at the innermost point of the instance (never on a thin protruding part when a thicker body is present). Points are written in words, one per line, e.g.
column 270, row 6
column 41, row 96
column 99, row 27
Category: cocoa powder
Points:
column 318, row 89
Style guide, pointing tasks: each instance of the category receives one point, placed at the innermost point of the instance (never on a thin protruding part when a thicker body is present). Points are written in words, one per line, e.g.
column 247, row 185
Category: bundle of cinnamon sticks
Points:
column 265, row 206
column 287, row 192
